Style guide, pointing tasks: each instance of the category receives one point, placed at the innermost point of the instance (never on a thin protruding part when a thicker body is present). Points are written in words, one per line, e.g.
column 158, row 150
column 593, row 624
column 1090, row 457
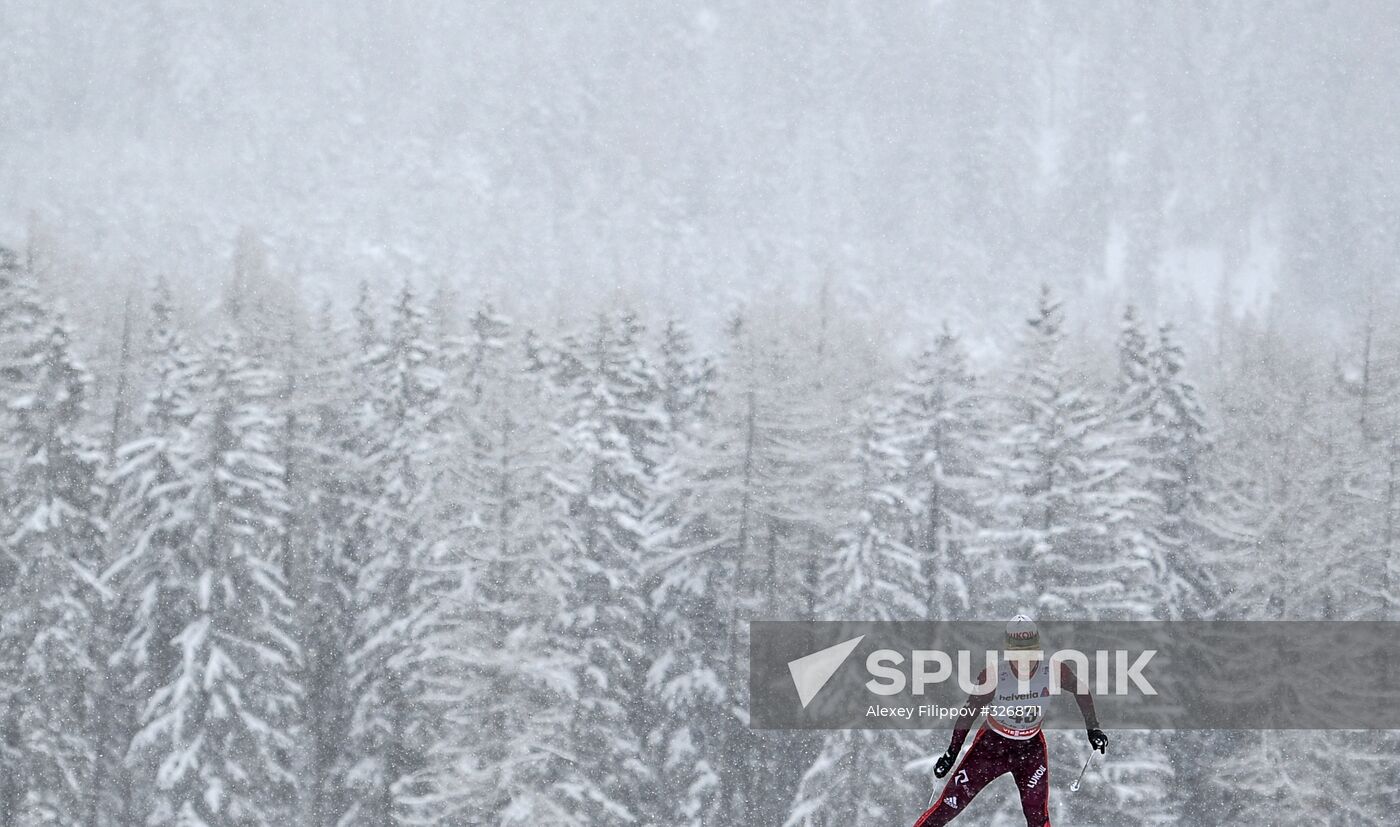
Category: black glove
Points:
column 944, row 763
column 1097, row 739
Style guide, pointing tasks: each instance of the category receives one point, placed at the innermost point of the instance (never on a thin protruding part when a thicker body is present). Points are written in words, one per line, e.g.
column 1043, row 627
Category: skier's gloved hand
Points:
column 944, row 763
column 1097, row 739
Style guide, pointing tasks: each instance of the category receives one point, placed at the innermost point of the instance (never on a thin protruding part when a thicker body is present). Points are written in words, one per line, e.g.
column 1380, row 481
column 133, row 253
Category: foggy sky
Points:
column 918, row 158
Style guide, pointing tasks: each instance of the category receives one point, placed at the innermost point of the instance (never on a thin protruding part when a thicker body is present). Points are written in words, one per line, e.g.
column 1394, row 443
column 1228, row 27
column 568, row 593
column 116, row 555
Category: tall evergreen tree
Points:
column 938, row 410
column 500, row 677
column 682, row 577
column 55, row 529
column 20, row 315
column 870, row 573
column 327, row 529
column 1163, row 435
column 398, row 584
column 770, row 464
column 50, row 566
column 1061, row 490
column 1182, row 443
column 148, row 528
column 1070, row 513
column 600, row 485
column 210, row 635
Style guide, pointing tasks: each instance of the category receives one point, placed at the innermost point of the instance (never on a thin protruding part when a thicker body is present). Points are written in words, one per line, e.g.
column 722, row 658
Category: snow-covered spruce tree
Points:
column 1249, row 509
column 1365, row 543
column 1332, row 563
column 1369, row 499
column 1233, row 511
column 1262, row 399
column 937, row 410
column 1163, row 435
column 460, row 772
column 499, row 675
column 1277, row 505
column 683, row 574
column 210, row 637
column 484, row 364
column 149, row 527
column 20, row 316
column 1067, row 514
column 1275, row 442
column 326, row 485
column 350, row 538
column 1133, row 421
column 871, row 569
column 1060, row 498
column 53, row 530
column 870, row 572
column 1269, row 771
column 607, row 428
column 769, row 466
column 305, row 363
column 264, row 308
column 398, row 410
column 736, row 470
column 1135, row 374
column 1183, row 487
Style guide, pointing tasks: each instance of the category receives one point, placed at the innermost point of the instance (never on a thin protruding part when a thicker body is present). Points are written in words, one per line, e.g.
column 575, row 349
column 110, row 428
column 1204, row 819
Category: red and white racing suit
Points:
column 1010, row 740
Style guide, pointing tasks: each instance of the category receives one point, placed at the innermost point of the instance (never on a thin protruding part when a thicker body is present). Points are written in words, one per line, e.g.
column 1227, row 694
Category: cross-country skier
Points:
column 1010, row 740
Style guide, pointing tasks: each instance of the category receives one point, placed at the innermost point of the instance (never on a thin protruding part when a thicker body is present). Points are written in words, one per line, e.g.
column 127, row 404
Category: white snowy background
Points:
column 408, row 404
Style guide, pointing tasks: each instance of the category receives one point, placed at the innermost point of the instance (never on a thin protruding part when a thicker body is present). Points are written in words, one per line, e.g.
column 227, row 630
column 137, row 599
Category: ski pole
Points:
column 932, row 794
column 1074, row 788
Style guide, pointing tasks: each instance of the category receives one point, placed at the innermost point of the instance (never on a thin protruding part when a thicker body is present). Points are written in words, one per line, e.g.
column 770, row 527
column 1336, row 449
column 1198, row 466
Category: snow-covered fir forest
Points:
column 407, row 406
column 415, row 562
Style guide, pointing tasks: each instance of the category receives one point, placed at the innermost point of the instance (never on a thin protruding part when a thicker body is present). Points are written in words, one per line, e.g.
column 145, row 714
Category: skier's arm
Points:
column 1069, row 681
column 970, row 712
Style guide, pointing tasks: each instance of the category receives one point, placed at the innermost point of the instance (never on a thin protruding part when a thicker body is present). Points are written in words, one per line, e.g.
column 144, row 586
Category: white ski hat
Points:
column 1021, row 633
